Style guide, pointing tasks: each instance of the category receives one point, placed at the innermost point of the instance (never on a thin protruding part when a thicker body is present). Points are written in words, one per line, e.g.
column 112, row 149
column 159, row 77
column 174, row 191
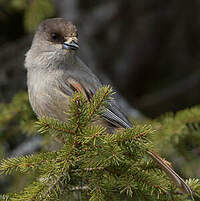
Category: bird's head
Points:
column 54, row 40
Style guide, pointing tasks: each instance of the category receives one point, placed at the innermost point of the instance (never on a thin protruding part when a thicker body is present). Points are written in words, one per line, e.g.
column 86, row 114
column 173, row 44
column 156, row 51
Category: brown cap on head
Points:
column 58, row 31
column 58, row 25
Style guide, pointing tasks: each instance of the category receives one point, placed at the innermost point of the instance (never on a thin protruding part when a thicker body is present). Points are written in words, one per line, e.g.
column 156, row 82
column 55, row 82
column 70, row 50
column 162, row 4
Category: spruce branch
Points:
column 83, row 112
column 47, row 125
column 24, row 164
column 17, row 115
column 102, row 166
column 43, row 189
column 99, row 101
column 195, row 185
column 175, row 125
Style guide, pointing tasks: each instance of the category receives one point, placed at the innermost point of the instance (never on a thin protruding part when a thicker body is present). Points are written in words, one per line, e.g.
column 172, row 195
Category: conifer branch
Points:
column 77, row 115
column 25, row 163
column 110, row 166
column 46, row 125
column 99, row 100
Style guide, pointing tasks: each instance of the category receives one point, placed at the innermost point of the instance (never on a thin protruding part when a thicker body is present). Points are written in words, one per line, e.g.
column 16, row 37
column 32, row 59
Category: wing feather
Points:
column 113, row 115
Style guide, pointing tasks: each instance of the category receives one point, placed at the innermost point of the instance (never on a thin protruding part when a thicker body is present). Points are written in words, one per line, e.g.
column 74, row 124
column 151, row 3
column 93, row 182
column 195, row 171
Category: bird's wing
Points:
column 116, row 117
column 113, row 114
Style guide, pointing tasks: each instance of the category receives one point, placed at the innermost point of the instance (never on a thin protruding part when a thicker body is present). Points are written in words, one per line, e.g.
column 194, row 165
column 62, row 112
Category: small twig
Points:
column 89, row 169
column 79, row 188
column 92, row 169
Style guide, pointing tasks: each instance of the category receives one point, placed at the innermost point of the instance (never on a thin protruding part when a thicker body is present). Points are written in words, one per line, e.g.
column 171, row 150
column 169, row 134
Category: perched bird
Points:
column 55, row 72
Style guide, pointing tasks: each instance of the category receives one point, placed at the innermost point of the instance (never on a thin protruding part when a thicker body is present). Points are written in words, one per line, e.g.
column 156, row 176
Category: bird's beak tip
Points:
column 70, row 45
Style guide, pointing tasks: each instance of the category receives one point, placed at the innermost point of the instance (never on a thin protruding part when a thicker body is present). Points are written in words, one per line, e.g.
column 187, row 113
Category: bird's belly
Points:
column 50, row 103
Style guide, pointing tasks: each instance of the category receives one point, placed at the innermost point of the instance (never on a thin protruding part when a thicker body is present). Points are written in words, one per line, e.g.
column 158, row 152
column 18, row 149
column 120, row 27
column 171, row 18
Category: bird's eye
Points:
column 55, row 37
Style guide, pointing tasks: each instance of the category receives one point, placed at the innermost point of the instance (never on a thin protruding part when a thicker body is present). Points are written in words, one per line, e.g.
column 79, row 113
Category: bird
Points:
column 55, row 73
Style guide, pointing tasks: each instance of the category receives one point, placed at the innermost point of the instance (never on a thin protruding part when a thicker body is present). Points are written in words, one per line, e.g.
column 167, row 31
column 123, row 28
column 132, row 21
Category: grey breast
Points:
column 45, row 97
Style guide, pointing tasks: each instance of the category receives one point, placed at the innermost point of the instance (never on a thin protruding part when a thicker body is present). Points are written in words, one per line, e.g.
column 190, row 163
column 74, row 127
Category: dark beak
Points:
column 71, row 45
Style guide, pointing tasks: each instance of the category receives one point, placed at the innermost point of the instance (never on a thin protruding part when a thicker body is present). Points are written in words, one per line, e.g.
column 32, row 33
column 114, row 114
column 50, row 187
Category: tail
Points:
column 178, row 181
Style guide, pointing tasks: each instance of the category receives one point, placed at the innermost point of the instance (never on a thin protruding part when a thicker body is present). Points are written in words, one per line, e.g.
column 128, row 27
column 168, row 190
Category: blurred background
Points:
column 149, row 50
